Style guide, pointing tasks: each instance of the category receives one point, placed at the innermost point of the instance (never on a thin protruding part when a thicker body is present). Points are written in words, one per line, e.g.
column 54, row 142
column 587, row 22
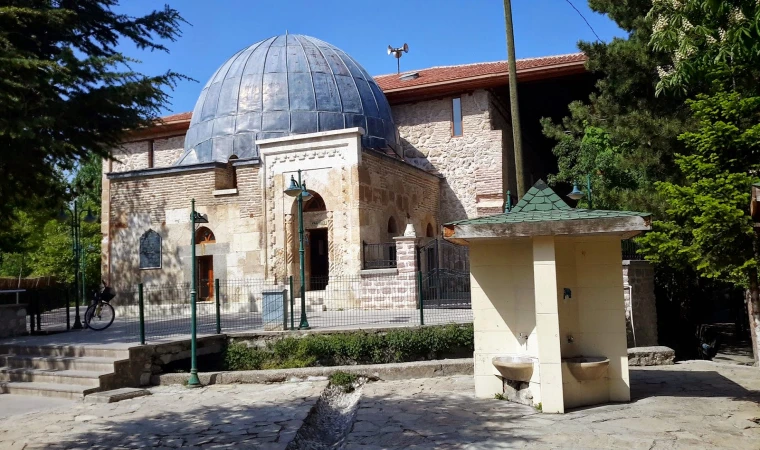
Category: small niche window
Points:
column 151, row 150
column 429, row 231
column 204, row 236
column 456, row 116
column 392, row 228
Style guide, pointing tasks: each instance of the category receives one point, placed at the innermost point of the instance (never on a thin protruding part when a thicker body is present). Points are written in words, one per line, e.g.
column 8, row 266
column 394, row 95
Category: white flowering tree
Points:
column 710, row 41
column 715, row 50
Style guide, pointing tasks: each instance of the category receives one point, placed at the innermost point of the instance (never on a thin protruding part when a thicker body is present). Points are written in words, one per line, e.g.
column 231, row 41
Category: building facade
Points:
column 380, row 157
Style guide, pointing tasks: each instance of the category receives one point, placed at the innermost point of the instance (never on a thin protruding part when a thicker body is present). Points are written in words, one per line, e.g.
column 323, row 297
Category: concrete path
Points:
column 14, row 405
column 687, row 406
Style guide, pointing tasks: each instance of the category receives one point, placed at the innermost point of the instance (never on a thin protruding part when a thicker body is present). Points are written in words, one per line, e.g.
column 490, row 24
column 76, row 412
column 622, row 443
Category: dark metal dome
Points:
column 285, row 85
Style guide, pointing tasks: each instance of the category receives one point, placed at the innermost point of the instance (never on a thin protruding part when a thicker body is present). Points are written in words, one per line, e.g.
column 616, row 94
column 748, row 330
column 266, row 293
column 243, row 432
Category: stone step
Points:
column 85, row 363
column 65, row 350
column 72, row 377
column 70, row 391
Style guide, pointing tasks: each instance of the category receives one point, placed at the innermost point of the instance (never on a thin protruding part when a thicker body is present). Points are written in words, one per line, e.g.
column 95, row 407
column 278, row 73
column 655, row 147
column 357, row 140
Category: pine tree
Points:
column 67, row 93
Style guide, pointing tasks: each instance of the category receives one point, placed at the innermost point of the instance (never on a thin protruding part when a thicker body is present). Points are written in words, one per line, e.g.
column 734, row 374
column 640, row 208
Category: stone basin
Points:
column 587, row 368
column 518, row 368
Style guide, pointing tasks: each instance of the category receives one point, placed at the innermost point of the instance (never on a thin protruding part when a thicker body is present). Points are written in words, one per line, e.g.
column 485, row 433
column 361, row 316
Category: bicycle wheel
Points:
column 99, row 316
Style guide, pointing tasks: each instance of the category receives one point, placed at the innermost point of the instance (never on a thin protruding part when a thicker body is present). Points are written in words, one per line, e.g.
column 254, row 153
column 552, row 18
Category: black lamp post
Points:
column 298, row 190
column 75, row 215
column 194, row 381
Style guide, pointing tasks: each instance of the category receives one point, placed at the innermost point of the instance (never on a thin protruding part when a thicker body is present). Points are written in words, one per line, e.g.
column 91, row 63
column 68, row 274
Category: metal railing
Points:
column 630, row 250
column 379, row 256
column 150, row 313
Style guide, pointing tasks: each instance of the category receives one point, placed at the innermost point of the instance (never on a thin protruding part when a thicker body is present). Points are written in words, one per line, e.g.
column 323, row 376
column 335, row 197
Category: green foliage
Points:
column 708, row 226
column 352, row 348
column 343, row 380
column 623, row 135
column 539, row 407
column 500, row 396
column 67, row 94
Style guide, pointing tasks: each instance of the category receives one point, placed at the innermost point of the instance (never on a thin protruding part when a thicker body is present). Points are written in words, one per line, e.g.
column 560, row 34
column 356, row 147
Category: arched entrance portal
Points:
column 203, row 237
column 317, row 246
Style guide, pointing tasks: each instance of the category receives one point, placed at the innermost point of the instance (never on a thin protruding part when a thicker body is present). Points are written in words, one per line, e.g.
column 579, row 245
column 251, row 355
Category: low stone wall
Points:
column 12, row 320
column 651, row 356
column 393, row 288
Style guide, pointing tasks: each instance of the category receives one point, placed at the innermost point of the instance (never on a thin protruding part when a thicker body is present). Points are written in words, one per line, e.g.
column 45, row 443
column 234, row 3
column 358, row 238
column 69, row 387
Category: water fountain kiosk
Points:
column 547, row 301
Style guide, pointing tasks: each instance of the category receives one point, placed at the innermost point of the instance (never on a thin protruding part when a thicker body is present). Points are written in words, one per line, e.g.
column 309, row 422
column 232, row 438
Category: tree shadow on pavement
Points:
column 697, row 383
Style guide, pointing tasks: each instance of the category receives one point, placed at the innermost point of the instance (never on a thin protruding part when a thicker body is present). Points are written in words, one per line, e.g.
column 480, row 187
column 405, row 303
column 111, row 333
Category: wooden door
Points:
column 206, row 277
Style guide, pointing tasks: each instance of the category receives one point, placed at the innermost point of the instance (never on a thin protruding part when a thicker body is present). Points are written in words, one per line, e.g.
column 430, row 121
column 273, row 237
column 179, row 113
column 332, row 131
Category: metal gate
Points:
column 445, row 271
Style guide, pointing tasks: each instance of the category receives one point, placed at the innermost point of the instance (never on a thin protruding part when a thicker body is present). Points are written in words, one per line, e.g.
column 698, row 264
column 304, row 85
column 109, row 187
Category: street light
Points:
column 75, row 216
column 194, row 381
column 577, row 194
column 298, row 190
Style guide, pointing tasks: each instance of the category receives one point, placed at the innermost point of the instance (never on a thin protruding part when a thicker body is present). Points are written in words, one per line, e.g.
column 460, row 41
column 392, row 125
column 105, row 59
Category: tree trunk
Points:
column 753, row 311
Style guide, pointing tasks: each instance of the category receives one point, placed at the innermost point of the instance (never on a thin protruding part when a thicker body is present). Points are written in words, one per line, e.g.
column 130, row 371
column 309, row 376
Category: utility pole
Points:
column 515, row 109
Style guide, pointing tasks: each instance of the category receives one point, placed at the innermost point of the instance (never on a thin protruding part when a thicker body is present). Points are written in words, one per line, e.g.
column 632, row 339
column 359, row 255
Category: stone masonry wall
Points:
column 12, row 320
column 640, row 307
column 471, row 163
column 162, row 203
column 134, row 155
column 392, row 188
column 393, row 288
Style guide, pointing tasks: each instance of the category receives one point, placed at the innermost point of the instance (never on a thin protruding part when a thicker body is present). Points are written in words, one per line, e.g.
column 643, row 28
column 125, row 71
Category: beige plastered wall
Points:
column 518, row 288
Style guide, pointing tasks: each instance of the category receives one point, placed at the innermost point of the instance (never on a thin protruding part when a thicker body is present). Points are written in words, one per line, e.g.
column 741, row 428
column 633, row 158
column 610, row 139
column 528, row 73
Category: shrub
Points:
column 343, row 380
column 358, row 347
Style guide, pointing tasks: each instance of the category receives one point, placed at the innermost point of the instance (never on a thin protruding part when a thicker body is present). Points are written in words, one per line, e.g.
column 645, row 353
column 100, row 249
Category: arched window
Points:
column 392, row 227
column 429, row 231
column 314, row 203
column 204, row 236
column 150, row 250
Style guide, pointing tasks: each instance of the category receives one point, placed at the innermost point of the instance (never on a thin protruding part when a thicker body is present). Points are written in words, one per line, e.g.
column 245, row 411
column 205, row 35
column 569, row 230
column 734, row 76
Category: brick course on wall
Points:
column 389, row 187
column 393, row 288
column 425, row 130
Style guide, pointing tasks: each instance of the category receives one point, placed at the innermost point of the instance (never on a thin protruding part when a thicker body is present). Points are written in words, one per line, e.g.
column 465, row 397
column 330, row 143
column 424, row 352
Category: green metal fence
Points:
column 150, row 313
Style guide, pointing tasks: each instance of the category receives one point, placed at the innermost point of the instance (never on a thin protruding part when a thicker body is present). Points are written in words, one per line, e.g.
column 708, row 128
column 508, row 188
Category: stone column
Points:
column 547, row 324
column 640, row 306
column 406, row 265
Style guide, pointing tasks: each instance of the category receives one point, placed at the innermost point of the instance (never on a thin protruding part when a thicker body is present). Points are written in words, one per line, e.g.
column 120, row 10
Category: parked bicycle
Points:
column 100, row 314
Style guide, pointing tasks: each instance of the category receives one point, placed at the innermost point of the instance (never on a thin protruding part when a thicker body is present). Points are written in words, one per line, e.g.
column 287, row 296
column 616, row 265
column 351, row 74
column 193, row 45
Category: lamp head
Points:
column 576, row 194
column 294, row 189
column 89, row 218
column 61, row 216
column 304, row 193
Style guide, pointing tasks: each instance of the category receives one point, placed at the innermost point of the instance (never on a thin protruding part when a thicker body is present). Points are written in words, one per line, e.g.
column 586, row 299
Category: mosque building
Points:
column 380, row 156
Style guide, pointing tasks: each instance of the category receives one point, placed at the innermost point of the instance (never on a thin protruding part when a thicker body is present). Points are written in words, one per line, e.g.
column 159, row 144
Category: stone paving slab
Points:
column 116, row 395
column 693, row 405
column 249, row 416
column 687, row 406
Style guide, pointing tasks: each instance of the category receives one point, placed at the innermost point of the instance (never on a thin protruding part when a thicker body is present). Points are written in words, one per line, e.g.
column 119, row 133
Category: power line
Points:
column 584, row 19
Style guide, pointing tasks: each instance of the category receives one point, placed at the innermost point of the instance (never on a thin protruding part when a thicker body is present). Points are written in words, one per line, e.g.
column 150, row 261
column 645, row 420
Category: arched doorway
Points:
column 317, row 257
column 205, row 269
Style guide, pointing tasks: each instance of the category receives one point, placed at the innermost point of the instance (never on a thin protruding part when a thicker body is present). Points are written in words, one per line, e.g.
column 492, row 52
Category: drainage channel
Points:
column 330, row 419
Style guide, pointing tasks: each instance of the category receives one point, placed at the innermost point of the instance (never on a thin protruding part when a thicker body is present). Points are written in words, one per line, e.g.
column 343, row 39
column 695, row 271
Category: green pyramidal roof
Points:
column 542, row 204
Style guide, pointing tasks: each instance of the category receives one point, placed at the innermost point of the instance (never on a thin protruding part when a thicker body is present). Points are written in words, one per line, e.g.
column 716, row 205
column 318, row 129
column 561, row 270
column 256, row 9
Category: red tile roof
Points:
column 439, row 79
column 437, row 75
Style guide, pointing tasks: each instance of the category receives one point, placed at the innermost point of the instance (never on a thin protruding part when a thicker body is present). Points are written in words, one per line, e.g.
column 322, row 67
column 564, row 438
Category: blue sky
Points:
column 439, row 32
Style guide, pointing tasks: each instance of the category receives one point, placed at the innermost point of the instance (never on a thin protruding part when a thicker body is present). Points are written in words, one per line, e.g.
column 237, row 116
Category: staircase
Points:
column 59, row 371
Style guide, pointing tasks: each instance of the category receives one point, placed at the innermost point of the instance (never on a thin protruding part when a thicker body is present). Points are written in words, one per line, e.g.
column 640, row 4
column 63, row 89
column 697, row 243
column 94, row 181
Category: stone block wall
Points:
column 393, row 288
column 427, row 142
column 640, row 306
column 392, row 188
column 12, row 320
column 134, row 155
column 162, row 202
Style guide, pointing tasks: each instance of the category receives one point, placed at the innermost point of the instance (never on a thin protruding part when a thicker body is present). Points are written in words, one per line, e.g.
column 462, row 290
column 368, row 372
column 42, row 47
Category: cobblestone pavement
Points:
column 236, row 416
column 693, row 405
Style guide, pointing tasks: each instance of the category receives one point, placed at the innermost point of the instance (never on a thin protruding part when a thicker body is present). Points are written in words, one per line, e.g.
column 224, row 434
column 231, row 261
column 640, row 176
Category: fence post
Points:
column 141, row 307
column 68, row 313
column 218, row 313
column 292, row 305
column 419, row 296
